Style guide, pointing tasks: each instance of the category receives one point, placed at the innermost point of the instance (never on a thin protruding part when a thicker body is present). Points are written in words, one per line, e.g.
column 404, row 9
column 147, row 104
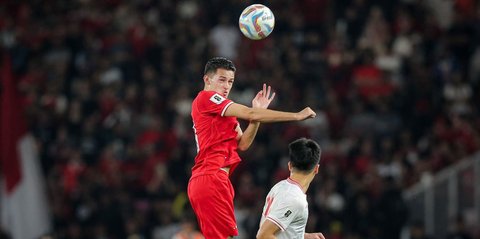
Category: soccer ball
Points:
column 256, row 21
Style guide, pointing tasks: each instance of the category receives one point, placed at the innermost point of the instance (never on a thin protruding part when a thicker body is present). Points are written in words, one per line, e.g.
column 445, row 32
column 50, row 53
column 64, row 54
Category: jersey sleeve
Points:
column 284, row 210
column 213, row 103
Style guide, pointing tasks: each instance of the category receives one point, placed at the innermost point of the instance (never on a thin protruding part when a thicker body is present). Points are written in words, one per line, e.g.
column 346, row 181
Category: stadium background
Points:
column 107, row 86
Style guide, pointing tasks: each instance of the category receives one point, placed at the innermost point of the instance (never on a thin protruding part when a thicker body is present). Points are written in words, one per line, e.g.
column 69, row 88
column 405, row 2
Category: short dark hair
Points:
column 218, row 63
column 304, row 154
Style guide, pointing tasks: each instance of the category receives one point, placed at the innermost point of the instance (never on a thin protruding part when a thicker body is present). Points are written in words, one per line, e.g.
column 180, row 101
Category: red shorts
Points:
column 211, row 197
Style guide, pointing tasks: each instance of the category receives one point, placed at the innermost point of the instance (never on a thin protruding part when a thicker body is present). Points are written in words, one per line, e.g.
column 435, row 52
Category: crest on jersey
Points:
column 217, row 99
column 287, row 213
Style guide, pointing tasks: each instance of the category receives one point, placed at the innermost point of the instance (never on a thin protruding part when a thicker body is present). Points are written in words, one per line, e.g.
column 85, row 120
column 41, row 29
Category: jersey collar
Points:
column 290, row 180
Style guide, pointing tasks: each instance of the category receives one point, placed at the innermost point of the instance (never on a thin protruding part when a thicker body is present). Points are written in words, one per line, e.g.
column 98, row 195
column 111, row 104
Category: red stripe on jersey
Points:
column 269, row 204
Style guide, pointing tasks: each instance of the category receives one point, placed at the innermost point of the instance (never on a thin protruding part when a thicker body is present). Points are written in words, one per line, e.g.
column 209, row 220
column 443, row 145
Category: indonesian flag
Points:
column 23, row 202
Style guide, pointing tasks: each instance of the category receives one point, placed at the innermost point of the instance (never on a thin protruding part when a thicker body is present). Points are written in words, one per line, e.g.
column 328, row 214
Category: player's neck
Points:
column 303, row 180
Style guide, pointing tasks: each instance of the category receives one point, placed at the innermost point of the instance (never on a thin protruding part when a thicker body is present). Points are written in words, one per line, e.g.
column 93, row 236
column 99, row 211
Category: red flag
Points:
column 23, row 201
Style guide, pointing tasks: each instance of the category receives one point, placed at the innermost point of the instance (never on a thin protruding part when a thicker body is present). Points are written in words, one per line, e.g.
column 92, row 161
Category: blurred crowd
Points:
column 108, row 87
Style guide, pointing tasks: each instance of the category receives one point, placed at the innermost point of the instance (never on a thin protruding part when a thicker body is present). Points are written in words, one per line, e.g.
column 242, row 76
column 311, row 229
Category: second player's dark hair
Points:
column 218, row 63
column 304, row 154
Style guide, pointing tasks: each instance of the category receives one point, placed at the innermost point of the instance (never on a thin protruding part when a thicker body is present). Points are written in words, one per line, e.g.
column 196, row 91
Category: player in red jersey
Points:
column 218, row 136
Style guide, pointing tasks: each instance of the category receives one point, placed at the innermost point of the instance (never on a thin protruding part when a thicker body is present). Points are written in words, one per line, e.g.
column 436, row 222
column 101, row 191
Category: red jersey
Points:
column 215, row 134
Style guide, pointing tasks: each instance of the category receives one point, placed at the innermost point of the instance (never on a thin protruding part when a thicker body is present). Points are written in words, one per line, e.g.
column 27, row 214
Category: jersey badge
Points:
column 217, row 99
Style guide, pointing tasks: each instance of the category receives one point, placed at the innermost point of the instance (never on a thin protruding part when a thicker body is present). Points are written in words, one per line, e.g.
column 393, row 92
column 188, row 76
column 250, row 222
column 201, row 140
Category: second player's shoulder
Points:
column 286, row 190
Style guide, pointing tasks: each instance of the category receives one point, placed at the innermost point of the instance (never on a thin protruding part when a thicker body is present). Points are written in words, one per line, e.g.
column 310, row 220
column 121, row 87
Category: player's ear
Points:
column 206, row 79
column 289, row 166
column 316, row 168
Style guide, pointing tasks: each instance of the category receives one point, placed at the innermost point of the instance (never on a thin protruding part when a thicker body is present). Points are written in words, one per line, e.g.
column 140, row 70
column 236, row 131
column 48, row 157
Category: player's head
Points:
column 219, row 75
column 304, row 155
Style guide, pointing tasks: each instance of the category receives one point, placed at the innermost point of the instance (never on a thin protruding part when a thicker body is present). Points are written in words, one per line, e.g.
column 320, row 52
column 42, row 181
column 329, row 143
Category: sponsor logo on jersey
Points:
column 288, row 213
column 217, row 99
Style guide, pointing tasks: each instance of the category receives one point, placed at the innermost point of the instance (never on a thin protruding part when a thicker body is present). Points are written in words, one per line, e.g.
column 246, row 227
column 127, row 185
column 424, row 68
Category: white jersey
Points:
column 286, row 205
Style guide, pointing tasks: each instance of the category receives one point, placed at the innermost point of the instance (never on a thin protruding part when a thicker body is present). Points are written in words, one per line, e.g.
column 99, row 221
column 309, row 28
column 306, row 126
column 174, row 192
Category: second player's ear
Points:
column 316, row 168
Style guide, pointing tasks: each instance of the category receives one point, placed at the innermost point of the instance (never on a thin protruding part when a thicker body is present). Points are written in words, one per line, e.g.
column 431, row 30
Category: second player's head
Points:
column 304, row 155
column 219, row 75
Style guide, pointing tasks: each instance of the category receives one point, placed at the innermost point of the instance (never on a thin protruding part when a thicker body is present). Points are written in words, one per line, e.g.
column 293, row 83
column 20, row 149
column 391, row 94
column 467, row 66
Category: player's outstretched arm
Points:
column 267, row 116
column 316, row 235
column 262, row 100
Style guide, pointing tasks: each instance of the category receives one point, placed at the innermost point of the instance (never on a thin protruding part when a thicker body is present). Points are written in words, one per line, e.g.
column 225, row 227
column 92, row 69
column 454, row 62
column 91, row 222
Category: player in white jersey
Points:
column 285, row 213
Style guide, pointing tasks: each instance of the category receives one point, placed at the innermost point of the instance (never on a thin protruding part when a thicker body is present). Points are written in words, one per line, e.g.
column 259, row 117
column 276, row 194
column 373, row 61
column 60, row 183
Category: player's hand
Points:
column 263, row 98
column 316, row 235
column 306, row 113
